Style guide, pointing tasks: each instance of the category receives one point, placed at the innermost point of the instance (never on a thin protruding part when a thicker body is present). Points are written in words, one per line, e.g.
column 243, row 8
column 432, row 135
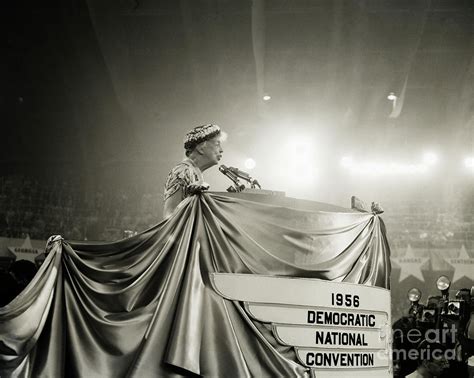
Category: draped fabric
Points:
column 144, row 306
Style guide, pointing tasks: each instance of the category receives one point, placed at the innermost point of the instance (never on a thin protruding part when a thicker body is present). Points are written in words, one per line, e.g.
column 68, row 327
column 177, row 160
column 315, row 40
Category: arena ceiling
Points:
column 109, row 81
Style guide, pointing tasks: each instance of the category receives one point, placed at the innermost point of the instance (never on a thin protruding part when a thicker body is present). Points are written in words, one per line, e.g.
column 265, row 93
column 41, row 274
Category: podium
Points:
column 278, row 198
column 232, row 284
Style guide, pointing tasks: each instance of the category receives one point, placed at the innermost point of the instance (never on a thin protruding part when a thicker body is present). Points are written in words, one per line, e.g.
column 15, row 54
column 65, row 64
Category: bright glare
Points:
column 250, row 163
column 469, row 162
column 370, row 168
column 223, row 136
column 430, row 158
column 300, row 151
column 391, row 96
column 347, row 161
column 266, row 98
column 299, row 159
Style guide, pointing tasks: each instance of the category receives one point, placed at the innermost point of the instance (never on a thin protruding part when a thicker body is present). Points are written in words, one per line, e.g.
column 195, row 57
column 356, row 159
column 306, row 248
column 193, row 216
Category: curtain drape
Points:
column 144, row 306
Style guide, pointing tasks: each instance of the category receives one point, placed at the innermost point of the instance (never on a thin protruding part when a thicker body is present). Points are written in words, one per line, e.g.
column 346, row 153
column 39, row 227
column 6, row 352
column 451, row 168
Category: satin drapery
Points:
column 144, row 307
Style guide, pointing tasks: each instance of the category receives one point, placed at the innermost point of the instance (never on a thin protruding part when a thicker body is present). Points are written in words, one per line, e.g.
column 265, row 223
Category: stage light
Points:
column 469, row 162
column 298, row 162
column 347, row 161
column 267, row 97
column 250, row 163
column 300, row 150
column 369, row 168
column 391, row 96
column 430, row 158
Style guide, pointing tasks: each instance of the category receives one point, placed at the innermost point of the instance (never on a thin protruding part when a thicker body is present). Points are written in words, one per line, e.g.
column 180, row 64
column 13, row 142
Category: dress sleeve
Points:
column 178, row 180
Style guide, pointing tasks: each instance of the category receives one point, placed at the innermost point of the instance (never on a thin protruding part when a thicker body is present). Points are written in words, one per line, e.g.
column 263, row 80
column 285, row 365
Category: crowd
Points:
column 14, row 279
column 427, row 225
column 41, row 209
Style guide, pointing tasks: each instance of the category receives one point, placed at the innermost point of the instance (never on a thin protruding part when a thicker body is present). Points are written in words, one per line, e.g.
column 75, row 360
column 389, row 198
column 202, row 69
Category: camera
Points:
column 442, row 319
column 441, row 311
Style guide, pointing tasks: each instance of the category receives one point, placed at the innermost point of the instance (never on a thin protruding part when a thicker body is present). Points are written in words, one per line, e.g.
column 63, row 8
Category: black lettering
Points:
column 339, row 359
column 319, row 359
column 327, row 318
column 311, row 317
column 333, row 359
column 358, row 320
column 352, row 339
column 340, row 318
column 319, row 317
column 371, row 359
column 372, row 320
column 343, row 359
column 319, row 337
column 350, row 319
column 357, row 358
column 328, row 339
column 364, row 360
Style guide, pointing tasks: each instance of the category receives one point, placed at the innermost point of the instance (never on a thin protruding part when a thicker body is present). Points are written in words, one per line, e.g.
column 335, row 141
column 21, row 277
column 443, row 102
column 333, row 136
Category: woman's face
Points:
column 212, row 150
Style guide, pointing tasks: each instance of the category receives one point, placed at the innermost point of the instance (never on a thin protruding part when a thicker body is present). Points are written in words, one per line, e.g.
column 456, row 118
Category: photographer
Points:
column 432, row 360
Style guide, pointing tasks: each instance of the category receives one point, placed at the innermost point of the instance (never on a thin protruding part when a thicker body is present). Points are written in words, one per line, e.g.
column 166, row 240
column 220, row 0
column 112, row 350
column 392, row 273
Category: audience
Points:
column 28, row 207
column 14, row 279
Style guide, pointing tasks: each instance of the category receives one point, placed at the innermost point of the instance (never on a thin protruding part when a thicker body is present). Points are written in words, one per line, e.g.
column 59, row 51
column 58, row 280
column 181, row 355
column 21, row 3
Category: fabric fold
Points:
column 144, row 306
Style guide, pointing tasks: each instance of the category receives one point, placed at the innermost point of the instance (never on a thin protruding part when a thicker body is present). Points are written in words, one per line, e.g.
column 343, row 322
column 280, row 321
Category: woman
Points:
column 203, row 150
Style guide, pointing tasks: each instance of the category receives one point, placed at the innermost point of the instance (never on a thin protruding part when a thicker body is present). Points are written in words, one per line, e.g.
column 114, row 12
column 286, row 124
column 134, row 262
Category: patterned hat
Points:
column 200, row 134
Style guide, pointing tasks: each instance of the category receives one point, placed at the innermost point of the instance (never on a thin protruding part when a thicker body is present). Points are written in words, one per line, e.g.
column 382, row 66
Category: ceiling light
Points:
column 391, row 96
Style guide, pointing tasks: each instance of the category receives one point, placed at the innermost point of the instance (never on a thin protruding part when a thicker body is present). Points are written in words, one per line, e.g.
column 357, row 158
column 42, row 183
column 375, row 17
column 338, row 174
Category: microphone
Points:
column 226, row 171
column 233, row 177
column 239, row 173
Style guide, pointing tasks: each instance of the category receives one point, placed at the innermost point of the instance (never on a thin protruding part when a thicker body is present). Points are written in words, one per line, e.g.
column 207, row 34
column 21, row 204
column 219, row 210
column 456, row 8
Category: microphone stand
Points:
column 234, row 174
column 245, row 176
column 237, row 187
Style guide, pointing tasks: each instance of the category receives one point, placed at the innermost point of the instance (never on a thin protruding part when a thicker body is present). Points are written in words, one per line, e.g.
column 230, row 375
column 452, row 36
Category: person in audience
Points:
column 432, row 361
column 203, row 150
column 8, row 288
column 23, row 271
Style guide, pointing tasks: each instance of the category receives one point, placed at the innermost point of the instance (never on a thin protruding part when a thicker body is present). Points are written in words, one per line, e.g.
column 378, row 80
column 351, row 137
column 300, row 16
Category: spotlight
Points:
column 414, row 295
column 430, row 158
column 298, row 161
column 267, row 97
column 250, row 163
column 300, row 150
column 469, row 162
column 391, row 96
column 347, row 161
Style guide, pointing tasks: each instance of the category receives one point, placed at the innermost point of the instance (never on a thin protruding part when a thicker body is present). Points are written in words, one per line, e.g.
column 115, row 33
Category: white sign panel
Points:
column 330, row 337
column 334, row 327
column 301, row 291
column 330, row 359
column 316, row 316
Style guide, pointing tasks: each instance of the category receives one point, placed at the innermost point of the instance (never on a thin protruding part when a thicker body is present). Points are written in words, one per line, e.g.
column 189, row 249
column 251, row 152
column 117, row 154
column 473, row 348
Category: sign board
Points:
column 337, row 329
column 26, row 251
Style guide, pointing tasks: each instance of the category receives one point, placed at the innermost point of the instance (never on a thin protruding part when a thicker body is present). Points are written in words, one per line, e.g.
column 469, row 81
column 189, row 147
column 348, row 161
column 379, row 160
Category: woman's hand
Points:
column 196, row 188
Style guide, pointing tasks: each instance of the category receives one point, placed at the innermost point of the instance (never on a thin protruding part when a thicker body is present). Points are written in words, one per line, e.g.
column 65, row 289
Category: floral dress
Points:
column 184, row 174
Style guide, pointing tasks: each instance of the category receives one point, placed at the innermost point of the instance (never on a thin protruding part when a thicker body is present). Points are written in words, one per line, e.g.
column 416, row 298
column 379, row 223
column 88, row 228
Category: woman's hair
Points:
column 198, row 135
